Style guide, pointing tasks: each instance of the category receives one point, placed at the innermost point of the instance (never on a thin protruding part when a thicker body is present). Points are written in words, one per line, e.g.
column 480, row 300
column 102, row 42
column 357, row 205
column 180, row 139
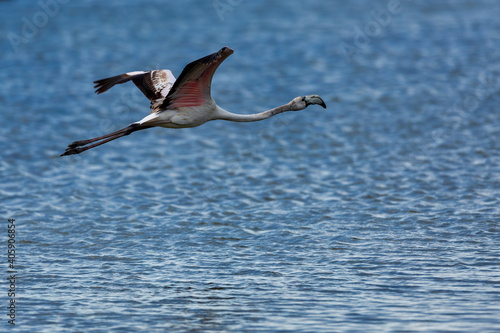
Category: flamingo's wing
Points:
column 192, row 88
column 155, row 85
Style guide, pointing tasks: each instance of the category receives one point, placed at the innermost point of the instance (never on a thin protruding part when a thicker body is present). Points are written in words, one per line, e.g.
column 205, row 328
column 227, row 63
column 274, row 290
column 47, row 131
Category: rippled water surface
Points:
column 380, row 213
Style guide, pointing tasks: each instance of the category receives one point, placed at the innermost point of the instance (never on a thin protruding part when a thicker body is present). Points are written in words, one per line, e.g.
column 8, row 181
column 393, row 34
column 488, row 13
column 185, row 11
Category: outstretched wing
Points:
column 192, row 88
column 155, row 85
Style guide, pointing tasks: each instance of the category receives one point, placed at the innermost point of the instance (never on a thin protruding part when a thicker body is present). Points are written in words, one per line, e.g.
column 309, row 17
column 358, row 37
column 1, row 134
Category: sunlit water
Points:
column 380, row 213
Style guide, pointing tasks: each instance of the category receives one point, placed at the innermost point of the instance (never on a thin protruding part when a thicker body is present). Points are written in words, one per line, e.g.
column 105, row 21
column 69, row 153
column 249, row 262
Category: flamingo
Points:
column 181, row 103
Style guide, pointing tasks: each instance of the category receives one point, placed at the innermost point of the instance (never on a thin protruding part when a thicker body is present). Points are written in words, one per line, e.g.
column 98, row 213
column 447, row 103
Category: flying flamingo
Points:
column 181, row 103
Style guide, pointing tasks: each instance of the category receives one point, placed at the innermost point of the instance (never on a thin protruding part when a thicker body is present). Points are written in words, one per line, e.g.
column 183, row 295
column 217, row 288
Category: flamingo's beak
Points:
column 314, row 99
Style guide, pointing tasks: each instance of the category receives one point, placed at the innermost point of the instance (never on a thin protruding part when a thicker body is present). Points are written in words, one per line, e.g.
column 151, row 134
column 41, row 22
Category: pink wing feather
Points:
column 192, row 87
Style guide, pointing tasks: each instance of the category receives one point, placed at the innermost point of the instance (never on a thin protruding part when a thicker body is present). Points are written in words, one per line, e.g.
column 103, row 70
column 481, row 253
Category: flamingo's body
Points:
column 181, row 103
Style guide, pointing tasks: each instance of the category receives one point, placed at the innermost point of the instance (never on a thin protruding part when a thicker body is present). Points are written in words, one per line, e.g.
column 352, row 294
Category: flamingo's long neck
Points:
column 222, row 114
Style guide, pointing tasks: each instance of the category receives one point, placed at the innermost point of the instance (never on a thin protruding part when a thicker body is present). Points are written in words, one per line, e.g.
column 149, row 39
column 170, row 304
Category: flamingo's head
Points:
column 302, row 102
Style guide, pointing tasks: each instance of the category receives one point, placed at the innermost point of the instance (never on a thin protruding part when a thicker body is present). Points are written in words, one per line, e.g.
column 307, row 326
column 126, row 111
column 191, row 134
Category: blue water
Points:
column 380, row 213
